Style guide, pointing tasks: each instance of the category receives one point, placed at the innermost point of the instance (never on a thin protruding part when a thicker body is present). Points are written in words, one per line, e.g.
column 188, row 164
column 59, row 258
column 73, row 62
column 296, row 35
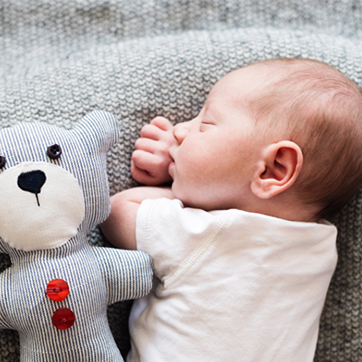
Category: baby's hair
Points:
column 320, row 109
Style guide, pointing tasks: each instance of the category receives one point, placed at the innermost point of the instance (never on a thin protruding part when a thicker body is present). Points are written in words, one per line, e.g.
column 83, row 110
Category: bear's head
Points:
column 53, row 183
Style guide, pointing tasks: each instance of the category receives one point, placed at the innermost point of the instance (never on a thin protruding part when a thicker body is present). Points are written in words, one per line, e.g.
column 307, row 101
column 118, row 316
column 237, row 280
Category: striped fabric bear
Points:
column 54, row 189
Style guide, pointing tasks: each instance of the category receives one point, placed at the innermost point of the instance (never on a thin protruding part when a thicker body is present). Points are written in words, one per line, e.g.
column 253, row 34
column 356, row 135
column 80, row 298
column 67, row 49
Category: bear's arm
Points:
column 5, row 295
column 127, row 274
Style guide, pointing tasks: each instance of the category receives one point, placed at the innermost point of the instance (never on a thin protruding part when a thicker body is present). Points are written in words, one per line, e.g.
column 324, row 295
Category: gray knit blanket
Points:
column 140, row 58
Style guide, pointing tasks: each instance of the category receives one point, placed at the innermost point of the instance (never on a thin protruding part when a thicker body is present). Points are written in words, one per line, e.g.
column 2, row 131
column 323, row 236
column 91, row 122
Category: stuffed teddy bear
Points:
column 54, row 189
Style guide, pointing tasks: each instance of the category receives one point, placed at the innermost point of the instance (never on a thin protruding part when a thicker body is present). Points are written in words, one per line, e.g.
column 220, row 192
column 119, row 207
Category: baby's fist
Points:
column 151, row 159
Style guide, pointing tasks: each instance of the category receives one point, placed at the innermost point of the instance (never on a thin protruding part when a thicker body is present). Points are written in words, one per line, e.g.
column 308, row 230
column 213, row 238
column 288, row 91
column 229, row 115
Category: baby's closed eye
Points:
column 206, row 123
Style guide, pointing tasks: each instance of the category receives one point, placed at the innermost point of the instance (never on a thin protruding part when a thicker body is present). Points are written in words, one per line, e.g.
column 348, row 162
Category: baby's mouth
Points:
column 170, row 155
column 171, row 168
column 171, row 165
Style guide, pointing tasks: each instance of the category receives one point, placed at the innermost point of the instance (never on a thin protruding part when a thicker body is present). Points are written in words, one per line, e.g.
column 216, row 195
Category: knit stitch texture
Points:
column 62, row 59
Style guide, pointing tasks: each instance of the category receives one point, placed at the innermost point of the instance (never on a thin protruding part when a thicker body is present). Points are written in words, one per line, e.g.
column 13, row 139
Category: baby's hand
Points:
column 151, row 159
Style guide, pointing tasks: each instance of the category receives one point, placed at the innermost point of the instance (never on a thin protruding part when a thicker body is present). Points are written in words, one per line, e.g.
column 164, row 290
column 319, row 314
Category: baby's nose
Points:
column 180, row 131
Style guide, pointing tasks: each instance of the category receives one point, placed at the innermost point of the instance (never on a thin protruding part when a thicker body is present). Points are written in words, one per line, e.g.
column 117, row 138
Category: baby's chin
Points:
column 183, row 196
column 192, row 202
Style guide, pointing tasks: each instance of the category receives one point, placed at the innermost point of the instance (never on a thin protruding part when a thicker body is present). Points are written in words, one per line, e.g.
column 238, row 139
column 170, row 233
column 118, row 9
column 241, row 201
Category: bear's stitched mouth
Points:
column 32, row 181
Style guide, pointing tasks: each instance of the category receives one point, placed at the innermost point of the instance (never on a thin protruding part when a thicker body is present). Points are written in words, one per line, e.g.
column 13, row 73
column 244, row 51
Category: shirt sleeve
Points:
column 169, row 233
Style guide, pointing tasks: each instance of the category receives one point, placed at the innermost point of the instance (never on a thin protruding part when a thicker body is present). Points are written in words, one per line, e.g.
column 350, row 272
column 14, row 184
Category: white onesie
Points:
column 233, row 286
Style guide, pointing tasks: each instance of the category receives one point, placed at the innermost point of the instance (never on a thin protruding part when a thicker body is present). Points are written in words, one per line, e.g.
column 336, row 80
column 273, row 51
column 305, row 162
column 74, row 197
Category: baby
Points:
column 242, row 254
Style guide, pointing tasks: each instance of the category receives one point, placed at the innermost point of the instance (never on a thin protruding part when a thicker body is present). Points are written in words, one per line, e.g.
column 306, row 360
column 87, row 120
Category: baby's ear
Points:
column 278, row 169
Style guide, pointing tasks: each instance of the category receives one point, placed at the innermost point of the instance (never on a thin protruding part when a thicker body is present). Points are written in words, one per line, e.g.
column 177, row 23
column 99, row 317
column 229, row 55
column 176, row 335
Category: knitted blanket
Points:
column 137, row 59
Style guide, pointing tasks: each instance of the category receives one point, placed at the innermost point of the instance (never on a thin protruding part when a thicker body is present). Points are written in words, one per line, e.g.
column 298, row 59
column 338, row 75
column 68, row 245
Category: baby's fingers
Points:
column 152, row 132
column 144, row 160
column 147, row 145
column 157, row 129
column 142, row 176
column 149, row 169
column 162, row 123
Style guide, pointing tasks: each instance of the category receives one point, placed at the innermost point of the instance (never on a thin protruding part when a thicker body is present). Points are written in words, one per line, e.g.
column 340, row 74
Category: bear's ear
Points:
column 3, row 247
column 100, row 127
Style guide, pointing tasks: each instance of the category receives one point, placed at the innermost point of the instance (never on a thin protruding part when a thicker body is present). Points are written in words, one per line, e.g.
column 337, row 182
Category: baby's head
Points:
column 320, row 110
column 280, row 137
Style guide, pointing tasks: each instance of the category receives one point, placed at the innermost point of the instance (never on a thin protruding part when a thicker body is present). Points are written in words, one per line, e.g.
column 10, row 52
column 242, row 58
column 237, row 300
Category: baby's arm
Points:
column 151, row 159
column 149, row 166
column 120, row 227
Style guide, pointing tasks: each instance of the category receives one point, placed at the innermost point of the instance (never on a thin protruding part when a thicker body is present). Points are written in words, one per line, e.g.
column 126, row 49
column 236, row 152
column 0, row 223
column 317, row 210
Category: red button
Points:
column 63, row 318
column 57, row 289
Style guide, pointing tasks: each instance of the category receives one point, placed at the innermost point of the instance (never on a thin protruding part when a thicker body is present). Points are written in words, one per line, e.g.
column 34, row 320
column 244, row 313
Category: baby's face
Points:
column 217, row 152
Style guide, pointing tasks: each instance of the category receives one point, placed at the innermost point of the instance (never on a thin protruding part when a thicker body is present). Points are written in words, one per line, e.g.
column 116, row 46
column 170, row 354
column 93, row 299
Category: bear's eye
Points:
column 2, row 161
column 54, row 151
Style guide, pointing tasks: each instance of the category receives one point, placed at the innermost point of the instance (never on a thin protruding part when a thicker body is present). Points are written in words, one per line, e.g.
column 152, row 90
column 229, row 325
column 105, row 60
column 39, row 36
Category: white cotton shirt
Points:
column 233, row 286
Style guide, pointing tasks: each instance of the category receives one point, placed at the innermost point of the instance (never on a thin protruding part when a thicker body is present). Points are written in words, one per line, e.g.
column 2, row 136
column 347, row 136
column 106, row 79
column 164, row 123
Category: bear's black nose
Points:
column 32, row 182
